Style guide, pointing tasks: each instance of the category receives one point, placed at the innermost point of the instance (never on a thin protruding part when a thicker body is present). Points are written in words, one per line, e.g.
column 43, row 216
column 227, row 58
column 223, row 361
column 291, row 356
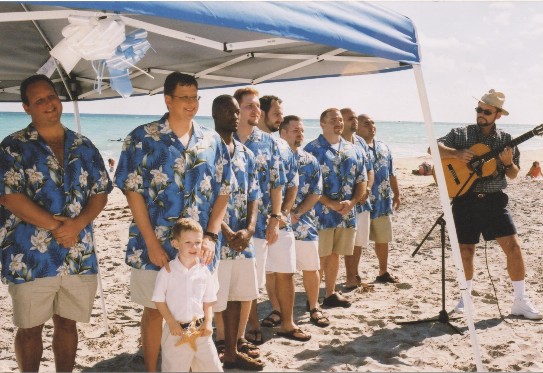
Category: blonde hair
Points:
column 185, row 225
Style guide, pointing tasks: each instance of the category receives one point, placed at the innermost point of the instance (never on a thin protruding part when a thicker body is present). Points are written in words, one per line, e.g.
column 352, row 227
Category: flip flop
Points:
column 386, row 277
column 269, row 322
column 256, row 340
column 292, row 335
column 244, row 362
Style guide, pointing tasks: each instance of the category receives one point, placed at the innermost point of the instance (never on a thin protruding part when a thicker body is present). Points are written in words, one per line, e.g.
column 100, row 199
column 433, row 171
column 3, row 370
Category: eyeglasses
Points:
column 188, row 98
column 485, row 111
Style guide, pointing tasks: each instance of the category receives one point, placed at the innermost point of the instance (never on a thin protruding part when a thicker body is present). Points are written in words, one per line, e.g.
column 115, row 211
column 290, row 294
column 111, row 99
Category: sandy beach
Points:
column 364, row 337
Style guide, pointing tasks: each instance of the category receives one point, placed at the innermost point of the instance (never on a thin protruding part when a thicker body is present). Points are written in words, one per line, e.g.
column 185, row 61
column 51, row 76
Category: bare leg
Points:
column 231, row 325
column 151, row 334
column 219, row 323
column 285, row 294
column 29, row 348
column 272, row 294
column 331, row 269
column 243, row 318
column 381, row 250
column 254, row 323
column 467, row 252
column 351, row 266
column 311, row 285
column 515, row 262
column 64, row 343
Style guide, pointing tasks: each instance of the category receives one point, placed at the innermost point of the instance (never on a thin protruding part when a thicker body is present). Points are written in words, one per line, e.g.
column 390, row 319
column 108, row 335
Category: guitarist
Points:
column 483, row 209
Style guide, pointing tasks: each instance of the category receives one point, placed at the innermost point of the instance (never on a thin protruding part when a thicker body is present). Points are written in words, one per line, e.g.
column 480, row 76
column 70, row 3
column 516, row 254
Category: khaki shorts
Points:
column 381, row 229
column 237, row 279
column 142, row 285
column 70, row 297
column 336, row 240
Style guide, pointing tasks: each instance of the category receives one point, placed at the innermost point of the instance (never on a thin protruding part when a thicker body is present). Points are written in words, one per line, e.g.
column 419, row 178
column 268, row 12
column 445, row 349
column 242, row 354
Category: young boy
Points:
column 185, row 292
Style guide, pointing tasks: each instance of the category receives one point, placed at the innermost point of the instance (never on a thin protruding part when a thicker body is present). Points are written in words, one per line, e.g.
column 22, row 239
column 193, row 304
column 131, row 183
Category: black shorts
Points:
column 486, row 213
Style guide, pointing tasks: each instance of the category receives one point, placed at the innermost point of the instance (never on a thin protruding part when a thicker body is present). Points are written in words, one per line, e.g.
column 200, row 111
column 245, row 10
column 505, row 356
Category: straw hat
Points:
column 495, row 99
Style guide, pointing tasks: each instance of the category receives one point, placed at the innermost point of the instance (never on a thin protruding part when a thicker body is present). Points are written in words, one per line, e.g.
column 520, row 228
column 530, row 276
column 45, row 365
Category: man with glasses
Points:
column 170, row 169
column 483, row 209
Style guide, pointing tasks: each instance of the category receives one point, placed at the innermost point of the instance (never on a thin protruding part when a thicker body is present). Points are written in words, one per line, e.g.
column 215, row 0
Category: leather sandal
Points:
column 336, row 300
column 221, row 348
column 248, row 348
column 292, row 335
column 269, row 321
column 387, row 277
column 244, row 362
column 257, row 338
column 320, row 320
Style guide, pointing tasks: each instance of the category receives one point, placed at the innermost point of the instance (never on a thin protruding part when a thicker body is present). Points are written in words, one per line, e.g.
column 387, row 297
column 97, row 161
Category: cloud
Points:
column 450, row 43
column 502, row 5
column 500, row 18
column 534, row 25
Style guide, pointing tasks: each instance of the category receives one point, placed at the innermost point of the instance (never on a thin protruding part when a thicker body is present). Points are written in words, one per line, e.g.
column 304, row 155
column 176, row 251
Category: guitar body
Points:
column 458, row 172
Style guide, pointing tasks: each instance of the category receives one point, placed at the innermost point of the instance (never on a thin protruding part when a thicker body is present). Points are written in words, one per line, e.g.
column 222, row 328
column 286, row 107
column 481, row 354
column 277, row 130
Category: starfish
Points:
column 189, row 336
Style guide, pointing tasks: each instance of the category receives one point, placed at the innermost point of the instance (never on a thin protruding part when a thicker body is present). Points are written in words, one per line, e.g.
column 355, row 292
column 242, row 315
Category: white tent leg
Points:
column 445, row 203
column 102, row 299
column 77, row 117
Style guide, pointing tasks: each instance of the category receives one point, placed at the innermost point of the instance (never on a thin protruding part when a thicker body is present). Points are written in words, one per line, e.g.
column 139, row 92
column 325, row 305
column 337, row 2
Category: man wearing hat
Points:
column 483, row 209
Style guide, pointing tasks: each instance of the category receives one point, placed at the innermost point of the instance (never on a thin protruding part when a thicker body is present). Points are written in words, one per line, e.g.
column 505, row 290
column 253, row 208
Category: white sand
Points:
column 365, row 336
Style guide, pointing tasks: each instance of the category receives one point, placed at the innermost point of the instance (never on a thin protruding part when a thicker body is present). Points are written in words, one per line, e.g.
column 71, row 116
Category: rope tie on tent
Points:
column 102, row 40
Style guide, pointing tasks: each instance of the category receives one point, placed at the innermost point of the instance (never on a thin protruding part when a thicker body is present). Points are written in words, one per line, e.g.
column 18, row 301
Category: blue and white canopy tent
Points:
column 225, row 44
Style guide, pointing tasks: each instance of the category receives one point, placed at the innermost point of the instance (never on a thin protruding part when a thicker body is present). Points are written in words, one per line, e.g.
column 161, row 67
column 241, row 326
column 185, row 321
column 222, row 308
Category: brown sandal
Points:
column 248, row 348
column 320, row 321
column 244, row 362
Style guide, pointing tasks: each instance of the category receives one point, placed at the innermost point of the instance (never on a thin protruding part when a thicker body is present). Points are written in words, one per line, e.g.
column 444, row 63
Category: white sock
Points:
column 468, row 285
column 520, row 289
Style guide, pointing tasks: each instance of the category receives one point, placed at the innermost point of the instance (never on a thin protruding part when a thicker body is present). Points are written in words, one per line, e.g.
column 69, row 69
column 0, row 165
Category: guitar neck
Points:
column 516, row 141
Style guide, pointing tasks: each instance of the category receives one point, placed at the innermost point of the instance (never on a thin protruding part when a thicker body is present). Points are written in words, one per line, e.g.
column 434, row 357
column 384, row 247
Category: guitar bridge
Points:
column 453, row 173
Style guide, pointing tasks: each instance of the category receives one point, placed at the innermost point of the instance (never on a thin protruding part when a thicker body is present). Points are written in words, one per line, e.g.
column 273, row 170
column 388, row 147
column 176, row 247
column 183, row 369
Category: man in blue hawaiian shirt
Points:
column 169, row 169
column 363, row 208
column 237, row 272
column 303, row 218
column 281, row 260
column 385, row 195
column 53, row 185
column 344, row 182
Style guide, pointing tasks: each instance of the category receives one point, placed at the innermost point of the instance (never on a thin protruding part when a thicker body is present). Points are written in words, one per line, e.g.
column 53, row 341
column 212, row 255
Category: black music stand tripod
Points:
column 443, row 315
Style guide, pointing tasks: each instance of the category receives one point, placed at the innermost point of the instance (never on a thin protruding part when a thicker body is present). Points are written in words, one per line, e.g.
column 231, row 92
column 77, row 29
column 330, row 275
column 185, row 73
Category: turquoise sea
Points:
column 406, row 139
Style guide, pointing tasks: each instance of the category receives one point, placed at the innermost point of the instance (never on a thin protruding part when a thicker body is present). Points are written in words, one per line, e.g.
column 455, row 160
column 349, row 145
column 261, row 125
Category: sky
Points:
column 467, row 49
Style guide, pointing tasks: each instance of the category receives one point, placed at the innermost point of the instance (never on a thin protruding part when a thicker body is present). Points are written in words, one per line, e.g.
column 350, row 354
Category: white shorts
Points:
column 282, row 254
column 261, row 254
column 307, row 255
column 362, row 238
column 237, row 278
column 182, row 358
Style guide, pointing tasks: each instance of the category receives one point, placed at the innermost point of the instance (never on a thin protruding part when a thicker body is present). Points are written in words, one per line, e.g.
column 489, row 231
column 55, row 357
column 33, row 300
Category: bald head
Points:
column 351, row 122
column 366, row 127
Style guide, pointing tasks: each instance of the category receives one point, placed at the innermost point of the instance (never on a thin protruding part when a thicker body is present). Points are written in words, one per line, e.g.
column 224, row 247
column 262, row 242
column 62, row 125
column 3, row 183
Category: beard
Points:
column 297, row 143
column 252, row 122
column 482, row 122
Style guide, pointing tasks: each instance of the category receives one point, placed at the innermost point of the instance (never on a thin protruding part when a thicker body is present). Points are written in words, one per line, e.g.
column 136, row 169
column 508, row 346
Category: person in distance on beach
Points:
column 302, row 214
column 168, row 169
column 344, row 181
column 483, row 209
column 385, row 195
column 363, row 208
column 53, row 184
column 237, row 273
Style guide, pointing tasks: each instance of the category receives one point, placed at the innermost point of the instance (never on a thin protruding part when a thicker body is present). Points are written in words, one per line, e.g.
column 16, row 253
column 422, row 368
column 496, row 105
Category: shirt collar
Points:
column 480, row 131
column 178, row 266
column 197, row 133
column 325, row 142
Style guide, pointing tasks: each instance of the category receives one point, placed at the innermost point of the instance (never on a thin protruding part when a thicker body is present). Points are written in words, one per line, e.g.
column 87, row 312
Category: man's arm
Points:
column 157, row 254
column 348, row 204
column 28, row 211
column 307, row 204
column 330, row 203
column 272, row 229
column 288, row 202
column 396, row 201
column 506, row 156
column 243, row 236
column 369, row 185
column 214, row 225
column 69, row 231
column 464, row 155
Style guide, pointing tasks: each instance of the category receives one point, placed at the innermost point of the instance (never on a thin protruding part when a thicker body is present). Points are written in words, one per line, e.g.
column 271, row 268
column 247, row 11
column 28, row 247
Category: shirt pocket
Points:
column 199, row 291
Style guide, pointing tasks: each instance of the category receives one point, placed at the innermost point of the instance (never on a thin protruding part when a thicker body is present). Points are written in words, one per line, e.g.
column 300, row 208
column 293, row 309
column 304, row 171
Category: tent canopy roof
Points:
column 222, row 43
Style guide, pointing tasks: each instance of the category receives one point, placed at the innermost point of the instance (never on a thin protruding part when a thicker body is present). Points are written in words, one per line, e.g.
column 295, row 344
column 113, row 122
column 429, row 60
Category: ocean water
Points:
column 406, row 139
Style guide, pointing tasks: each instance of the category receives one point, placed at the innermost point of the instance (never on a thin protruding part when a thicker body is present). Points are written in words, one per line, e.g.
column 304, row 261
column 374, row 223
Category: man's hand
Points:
column 345, row 207
column 464, row 155
column 283, row 222
column 396, row 202
column 364, row 198
column 293, row 218
column 68, row 232
column 272, row 230
column 506, row 156
column 208, row 250
column 158, row 256
column 241, row 240
column 175, row 328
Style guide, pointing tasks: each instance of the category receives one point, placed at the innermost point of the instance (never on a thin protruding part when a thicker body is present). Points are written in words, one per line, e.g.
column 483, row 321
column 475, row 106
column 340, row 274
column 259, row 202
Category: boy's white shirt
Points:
column 185, row 290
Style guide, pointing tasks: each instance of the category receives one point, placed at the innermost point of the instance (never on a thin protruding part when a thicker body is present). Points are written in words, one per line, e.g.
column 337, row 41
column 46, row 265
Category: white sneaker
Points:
column 460, row 306
column 525, row 307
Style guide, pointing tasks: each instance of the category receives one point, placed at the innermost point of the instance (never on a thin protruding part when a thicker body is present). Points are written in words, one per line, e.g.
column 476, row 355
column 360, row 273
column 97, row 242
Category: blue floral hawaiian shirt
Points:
column 175, row 181
column 29, row 166
column 244, row 190
column 341, row 171
column 291, row 172
column 270, row 171
column 310, row 177
column 383, row 170
column 363, row 148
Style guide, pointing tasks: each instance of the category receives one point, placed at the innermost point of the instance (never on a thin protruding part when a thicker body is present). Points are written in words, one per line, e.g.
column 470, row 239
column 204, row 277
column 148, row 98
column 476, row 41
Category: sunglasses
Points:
column 485, row 111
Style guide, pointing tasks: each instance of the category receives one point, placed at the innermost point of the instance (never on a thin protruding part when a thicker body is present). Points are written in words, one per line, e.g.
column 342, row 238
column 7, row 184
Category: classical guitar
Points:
column 460, row 176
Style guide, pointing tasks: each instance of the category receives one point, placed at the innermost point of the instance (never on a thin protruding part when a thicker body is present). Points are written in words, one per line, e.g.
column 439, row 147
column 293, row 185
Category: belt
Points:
column 187, row 324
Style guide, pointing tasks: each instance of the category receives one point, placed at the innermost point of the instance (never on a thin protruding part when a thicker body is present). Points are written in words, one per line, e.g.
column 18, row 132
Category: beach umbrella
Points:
column 223, row 44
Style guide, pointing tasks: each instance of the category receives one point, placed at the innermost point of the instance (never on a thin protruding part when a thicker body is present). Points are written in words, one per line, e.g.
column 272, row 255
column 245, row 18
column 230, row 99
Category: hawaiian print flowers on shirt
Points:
column 40, row 240
column 34, row 176
column 16, row 264
column 158, row 177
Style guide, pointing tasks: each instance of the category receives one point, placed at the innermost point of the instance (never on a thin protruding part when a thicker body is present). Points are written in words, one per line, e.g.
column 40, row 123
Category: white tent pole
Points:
column 102, row 299
column 447, row 211
column 77, row 117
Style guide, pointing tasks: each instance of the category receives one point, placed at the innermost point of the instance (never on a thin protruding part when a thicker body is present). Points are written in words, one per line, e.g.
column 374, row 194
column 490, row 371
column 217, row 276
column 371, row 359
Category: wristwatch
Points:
column 284, row 212
column 276, row 216
column 213, row 236
column 508, row 166
column 296, row 213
